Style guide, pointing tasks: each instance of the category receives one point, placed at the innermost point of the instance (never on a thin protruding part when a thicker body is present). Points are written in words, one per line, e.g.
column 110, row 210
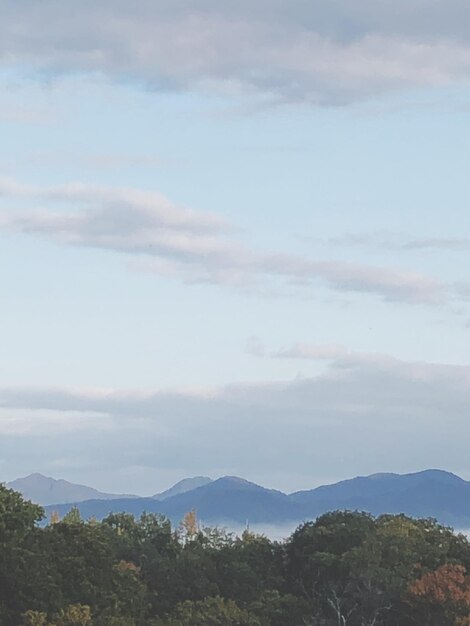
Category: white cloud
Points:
column 115, row 211
column 189, row 245
column 324, row 51
column 395, row 241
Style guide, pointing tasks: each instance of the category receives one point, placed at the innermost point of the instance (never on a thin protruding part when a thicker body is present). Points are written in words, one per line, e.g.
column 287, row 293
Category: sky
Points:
column 234, row 240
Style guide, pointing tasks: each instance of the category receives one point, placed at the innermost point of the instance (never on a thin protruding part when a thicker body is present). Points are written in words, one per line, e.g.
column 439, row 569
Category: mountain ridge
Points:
column 182, row 486
column 45, row 490
column 230, row 499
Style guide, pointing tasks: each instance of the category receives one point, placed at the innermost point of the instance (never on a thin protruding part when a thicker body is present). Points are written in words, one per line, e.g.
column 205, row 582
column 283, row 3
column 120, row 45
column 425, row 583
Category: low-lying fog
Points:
column 276, row 532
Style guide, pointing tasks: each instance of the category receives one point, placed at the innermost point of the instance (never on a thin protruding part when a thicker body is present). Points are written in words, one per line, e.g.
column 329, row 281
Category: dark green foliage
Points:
column 213, row 611
column 17, row 535
column 344, row 569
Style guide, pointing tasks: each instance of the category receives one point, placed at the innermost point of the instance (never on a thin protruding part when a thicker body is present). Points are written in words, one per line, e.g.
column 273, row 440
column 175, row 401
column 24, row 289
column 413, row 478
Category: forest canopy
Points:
column 343, row 569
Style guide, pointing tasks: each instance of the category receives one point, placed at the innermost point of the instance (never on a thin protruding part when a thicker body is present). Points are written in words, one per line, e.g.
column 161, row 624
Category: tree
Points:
column 34, row 618
column 442, row 596
column 72, row 517
column 320, row 565
column 18, row 518
column 209, row 612
column 74, row 615
column 189, row 528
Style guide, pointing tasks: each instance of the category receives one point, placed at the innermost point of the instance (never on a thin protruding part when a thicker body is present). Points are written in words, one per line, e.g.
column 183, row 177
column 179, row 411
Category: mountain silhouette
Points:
column 45, row 490
column 232, row 500
column 187, row 484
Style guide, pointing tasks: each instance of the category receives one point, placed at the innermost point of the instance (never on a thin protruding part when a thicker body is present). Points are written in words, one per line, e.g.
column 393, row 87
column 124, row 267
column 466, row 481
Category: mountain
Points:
column 228, row 499
column 375, row 485
column 431, row 493
column 187, row 484
column 234, row 501
column 44, row 490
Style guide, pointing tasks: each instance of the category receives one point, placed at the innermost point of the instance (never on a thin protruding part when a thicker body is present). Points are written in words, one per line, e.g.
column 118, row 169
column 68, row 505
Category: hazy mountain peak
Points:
column 437, row 474
column 236, row 482
column 380, row 475
column 183, row 486
column 36, row 477
column 45, row 490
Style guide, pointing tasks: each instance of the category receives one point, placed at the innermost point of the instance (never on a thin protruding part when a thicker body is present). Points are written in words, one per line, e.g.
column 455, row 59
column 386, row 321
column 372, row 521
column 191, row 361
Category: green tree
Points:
column 18, row 519
column 209, row 612
column 72, row 517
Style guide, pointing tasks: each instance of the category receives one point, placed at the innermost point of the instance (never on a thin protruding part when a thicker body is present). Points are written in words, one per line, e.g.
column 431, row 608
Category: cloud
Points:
column 92, row 161
column 365, row 413
column 190, row 245
column 456, row 244
column 116, row 212
column 322, row 52
column 394, row 241
column 302, row 350
column 33, row 423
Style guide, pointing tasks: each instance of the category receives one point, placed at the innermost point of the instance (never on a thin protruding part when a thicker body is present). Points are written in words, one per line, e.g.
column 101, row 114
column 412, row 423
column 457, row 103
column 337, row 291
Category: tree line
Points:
column 343, row 569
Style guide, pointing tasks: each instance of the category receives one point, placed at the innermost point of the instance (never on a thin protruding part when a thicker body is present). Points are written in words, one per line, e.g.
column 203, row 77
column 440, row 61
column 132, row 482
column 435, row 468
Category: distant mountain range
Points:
column 44, row 490
column 231, row 500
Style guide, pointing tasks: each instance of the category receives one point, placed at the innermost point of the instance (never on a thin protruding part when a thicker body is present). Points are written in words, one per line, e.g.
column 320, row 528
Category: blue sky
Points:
column 233, row 240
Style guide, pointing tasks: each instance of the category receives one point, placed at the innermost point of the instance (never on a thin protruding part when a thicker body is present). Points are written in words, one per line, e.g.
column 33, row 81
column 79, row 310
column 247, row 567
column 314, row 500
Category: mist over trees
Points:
column 344, row 569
